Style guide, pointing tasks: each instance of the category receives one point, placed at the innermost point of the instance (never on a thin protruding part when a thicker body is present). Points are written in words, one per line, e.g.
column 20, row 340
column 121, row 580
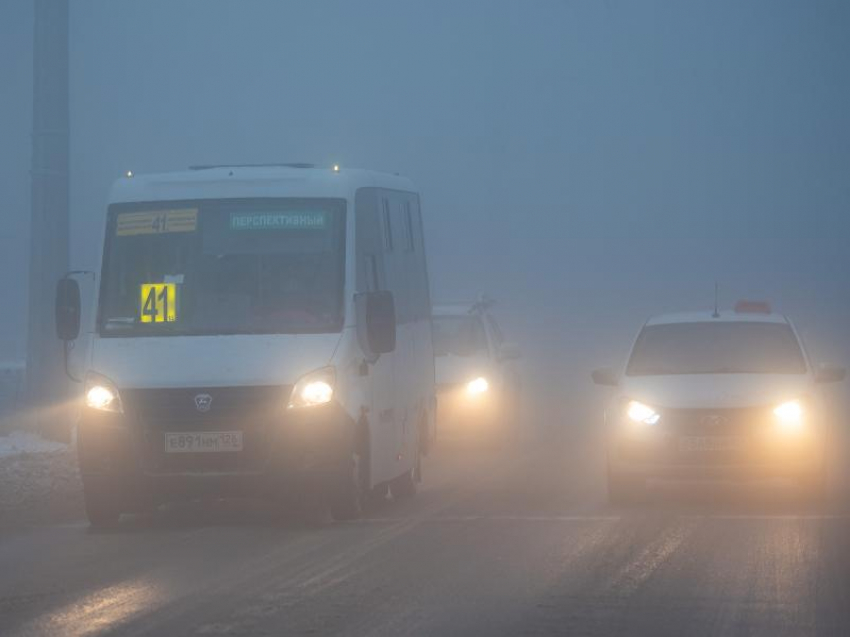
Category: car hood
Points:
column 451, row 369
column 694, row 391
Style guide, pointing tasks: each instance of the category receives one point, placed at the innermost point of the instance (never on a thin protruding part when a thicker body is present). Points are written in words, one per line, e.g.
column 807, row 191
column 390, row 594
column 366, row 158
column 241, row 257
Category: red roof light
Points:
column 752, row 307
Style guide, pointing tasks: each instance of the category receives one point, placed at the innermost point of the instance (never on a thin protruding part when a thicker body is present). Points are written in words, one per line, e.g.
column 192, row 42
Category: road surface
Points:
column 492, row 545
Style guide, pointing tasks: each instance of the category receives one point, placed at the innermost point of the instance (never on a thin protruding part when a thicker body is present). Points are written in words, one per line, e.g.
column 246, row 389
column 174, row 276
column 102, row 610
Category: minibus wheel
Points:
column 346, row 500
column 404, row 486
column 101, row 509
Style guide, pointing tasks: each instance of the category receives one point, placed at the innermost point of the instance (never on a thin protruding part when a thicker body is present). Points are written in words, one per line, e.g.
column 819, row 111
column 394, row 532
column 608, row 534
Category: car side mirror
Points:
column 827, row 373
column 510, row 352
column 605, row 376
column 67, row 309
column 376, row 322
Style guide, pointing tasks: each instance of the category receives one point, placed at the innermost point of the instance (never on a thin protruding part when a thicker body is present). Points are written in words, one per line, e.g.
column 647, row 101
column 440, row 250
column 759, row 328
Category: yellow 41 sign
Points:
column 158, row 303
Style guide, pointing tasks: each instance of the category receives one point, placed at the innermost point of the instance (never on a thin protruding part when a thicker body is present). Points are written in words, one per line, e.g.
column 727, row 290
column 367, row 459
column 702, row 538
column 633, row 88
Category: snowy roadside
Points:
column 39, row 481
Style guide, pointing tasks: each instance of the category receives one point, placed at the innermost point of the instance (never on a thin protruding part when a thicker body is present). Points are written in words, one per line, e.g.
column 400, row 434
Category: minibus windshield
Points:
column 251, row 266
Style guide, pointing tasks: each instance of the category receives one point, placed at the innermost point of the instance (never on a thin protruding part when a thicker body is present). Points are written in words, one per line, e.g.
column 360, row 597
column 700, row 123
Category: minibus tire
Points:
column 346, row 502
column 404, row 486
column 101, row 509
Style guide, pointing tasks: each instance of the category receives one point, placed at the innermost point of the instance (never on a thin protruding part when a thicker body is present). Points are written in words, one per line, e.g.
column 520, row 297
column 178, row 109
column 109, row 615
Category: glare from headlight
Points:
column 101, row 398
column 477, row 386
column 313, row 389
column 644, row 414
column 789, row 416
column 317, row 393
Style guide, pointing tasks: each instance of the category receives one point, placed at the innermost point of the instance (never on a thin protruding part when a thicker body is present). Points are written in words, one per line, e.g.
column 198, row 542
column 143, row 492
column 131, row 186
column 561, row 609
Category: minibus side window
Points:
column 409, row 245
column 373, row 281
column 369, row 242
column 388, row 226
column 396, row 262
column 421, row 298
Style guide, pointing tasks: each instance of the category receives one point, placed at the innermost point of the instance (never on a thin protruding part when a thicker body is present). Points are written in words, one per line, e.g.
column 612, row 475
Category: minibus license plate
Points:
column 711, row 443
column 203, row 441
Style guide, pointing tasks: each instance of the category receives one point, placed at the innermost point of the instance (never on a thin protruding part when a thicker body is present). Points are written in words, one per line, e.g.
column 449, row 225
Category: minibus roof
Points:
column 238, row 182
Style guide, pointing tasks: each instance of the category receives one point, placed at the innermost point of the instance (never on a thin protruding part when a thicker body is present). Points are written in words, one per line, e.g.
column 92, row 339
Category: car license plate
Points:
column 711, row 443
column 203, row 441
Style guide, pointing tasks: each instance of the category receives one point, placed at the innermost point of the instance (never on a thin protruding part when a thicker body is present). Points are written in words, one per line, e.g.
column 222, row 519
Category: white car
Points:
column 716, row 395
column 478, row 379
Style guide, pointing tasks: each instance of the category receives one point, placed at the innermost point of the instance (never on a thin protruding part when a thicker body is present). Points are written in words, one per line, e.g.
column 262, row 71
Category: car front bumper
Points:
column 754, row 457
column 460, row 411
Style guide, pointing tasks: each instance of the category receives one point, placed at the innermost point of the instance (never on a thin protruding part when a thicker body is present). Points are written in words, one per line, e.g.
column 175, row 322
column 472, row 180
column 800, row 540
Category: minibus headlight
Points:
column 790, row 416
column 477, row 386
column 313, row 389
column 102, row 395
column 642, row 414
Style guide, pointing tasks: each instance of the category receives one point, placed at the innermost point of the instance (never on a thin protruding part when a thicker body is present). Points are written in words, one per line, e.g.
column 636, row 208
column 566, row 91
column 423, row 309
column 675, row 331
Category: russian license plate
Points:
column 711, row 443
column 203, row 441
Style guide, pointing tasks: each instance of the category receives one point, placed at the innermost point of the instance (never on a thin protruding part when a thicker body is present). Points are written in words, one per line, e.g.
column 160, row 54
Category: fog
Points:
column 586, row 164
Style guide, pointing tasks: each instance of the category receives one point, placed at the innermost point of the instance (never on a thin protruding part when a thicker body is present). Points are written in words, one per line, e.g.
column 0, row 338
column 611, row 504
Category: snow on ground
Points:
column 19, row 442
column 39, row 480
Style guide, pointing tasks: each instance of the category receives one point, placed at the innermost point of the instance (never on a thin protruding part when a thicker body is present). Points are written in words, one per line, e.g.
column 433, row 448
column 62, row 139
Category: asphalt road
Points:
column 523, row 544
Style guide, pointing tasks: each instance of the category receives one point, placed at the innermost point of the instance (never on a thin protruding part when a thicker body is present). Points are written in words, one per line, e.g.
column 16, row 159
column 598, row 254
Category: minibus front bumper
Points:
column 283, row 451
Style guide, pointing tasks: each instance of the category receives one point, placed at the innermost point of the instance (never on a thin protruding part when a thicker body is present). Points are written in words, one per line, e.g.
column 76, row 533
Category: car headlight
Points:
column 477, row 386
column 790, row 416
column 102, row 395
column 313, row 389
column 640, row 413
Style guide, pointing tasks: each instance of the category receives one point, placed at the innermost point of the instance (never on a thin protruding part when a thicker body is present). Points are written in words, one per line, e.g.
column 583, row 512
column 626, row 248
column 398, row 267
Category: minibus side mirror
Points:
column 376, row 322
column 827, row 373
column 605, row 376
column 67, row 309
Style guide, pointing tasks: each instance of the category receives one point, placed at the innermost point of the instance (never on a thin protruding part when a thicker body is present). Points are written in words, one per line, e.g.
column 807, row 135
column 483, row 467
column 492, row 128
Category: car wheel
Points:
column 624, row 489
column 101, row 508
column 512, row 420
column 814, row 485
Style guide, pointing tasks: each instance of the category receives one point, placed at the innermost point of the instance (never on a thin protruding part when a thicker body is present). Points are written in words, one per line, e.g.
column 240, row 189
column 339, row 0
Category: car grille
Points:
column 715, row 422
column 252, row 410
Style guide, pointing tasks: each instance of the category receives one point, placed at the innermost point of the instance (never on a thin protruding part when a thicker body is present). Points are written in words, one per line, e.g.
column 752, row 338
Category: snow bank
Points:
column 21, row 442
column 39, row 480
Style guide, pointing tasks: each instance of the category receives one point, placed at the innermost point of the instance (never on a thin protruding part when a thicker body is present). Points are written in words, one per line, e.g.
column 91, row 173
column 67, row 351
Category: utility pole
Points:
column 47, row 387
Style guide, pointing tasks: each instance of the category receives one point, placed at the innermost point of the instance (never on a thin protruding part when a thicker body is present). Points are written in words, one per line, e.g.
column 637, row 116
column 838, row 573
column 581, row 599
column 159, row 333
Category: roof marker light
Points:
column 752, row 307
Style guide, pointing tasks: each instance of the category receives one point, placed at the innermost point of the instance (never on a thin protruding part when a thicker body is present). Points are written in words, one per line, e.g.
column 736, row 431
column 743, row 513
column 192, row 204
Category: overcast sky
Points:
column 587, row 163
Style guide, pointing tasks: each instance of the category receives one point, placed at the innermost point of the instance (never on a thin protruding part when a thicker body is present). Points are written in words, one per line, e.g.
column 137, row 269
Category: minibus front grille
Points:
column 252, row 410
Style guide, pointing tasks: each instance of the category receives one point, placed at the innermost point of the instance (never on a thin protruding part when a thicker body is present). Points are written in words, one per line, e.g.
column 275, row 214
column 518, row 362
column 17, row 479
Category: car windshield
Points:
column 223, row 267
column 459, row 336
column 716, row 348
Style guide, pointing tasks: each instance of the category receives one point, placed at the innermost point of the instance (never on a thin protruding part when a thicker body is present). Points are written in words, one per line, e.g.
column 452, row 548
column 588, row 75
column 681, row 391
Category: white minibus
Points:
column 258, row 330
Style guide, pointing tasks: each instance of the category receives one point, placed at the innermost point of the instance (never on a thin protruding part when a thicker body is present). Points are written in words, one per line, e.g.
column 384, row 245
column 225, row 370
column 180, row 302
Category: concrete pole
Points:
column 46, row 384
